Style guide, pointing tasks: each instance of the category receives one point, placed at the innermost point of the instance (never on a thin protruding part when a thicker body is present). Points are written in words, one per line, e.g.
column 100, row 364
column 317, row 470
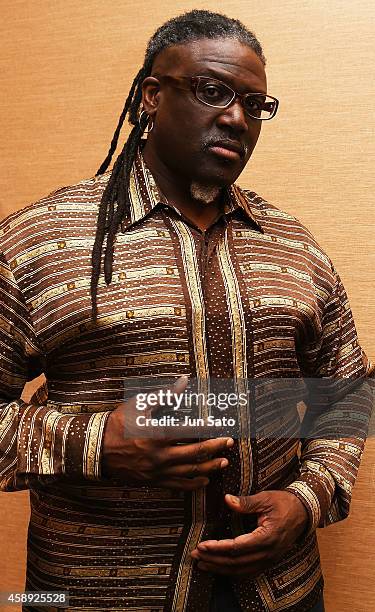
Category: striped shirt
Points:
column 254, row 297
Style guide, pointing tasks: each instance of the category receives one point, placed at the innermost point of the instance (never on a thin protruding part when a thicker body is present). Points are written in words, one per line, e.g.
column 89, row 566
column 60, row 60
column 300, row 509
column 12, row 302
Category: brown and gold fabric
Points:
column 252, row 297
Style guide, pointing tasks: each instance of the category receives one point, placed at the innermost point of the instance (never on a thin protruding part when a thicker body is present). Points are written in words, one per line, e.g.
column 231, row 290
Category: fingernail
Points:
column 202, row 547
column 224, row 463
column 233, row 499
column 230, row 442
column 184, row 378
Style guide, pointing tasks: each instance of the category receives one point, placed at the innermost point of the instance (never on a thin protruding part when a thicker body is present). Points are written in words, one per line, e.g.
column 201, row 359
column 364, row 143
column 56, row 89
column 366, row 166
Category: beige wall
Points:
column 65, row 67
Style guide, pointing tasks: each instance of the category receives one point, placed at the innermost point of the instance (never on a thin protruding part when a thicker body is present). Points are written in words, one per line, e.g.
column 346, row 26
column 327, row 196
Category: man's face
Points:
column 185, row 130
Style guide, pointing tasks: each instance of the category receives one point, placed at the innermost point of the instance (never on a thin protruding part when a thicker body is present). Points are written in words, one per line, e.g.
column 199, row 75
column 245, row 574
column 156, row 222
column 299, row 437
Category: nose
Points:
column 234, row 116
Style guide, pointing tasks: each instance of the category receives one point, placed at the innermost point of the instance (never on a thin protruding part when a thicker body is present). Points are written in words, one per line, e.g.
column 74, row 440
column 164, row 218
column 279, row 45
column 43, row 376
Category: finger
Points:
column 195, row 469
column 202, row 452
column 170, row 392
column 168, row 434
column 259, row 540
column 249, row 504
column 184, row 484
column 149, row 401
column 216, row 546
column 178, row 386
column 150, row 405
column 181, row 383
column 187, row 453
column 231, row 571
column 231, row 561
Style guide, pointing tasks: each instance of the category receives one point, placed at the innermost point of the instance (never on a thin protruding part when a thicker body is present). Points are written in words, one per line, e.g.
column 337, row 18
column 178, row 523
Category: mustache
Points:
column 230, row 143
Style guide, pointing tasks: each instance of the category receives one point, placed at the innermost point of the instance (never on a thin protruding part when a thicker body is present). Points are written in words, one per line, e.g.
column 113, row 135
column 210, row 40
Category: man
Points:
column 201, row 279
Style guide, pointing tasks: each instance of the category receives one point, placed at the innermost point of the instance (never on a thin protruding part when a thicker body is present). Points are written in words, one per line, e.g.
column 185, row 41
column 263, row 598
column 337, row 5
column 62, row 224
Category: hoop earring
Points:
column 150, row 124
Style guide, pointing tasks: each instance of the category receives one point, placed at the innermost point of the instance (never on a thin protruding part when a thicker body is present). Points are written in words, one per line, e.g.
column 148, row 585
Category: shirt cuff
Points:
column 315, row 488
column 53, row 444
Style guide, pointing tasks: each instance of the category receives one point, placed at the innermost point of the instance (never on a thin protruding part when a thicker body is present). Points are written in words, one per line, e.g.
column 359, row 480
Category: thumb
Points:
column 248, row 504
column 180, row 384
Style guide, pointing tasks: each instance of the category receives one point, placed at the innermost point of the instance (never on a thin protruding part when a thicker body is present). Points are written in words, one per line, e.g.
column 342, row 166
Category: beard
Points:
column 205, row 193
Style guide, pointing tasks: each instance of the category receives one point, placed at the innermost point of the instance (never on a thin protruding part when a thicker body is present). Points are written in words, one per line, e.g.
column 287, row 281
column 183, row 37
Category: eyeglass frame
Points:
column 194, row 83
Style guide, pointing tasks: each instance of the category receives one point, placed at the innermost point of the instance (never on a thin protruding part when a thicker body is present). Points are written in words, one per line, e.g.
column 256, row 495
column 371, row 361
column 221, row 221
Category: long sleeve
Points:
column 36, row 443
column 337, row 417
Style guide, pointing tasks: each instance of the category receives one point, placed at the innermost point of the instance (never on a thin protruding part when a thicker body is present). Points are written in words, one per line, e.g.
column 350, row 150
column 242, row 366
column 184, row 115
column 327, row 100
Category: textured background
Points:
column 65, row 68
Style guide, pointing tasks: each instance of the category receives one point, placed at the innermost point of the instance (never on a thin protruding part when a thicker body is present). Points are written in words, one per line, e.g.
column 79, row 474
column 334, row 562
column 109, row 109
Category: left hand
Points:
column 282, row 518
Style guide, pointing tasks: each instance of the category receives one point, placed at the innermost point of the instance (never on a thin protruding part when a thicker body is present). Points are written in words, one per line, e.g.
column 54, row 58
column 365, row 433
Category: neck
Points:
column 180, row 192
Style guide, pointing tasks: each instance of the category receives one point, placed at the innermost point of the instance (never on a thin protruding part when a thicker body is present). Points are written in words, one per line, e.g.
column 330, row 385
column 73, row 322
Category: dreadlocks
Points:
column 191, row 26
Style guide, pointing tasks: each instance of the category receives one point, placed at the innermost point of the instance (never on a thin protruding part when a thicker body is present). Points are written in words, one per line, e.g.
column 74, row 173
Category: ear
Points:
column 150, row 95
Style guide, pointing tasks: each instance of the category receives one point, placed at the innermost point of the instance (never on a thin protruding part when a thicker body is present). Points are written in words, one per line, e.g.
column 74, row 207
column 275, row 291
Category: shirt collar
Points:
column 145, row 196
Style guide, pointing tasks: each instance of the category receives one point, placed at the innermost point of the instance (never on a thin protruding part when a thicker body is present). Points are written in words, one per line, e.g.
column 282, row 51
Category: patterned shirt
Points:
column 253, row 297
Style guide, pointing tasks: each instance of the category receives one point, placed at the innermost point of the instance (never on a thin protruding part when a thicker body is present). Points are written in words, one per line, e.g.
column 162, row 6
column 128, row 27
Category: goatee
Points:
column 205, row 193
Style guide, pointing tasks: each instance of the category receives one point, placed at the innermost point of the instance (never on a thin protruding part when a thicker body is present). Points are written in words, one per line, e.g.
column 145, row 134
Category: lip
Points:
column 229, row 150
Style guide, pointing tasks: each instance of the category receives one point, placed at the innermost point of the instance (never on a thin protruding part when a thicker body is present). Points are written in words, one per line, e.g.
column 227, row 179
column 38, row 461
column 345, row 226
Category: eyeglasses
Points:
column 217, row 94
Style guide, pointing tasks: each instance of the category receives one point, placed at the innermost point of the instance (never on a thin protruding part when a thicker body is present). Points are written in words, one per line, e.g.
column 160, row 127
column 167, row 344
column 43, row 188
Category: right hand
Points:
column 159, row 461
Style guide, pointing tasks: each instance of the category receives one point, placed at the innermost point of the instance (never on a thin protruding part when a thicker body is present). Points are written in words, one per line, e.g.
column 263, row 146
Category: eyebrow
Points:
column 214, row 73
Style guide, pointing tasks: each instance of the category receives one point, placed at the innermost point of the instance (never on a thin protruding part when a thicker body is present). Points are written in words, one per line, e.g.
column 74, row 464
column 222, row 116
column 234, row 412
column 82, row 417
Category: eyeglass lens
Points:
column 214, row 93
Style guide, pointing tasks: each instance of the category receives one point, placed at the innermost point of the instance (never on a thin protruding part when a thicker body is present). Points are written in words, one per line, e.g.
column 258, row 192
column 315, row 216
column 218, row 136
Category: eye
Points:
column 254, row 104
column 213, row 93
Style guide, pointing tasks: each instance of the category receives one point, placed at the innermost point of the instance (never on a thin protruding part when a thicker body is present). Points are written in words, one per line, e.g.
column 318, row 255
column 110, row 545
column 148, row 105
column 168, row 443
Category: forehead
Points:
column 227, row 59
